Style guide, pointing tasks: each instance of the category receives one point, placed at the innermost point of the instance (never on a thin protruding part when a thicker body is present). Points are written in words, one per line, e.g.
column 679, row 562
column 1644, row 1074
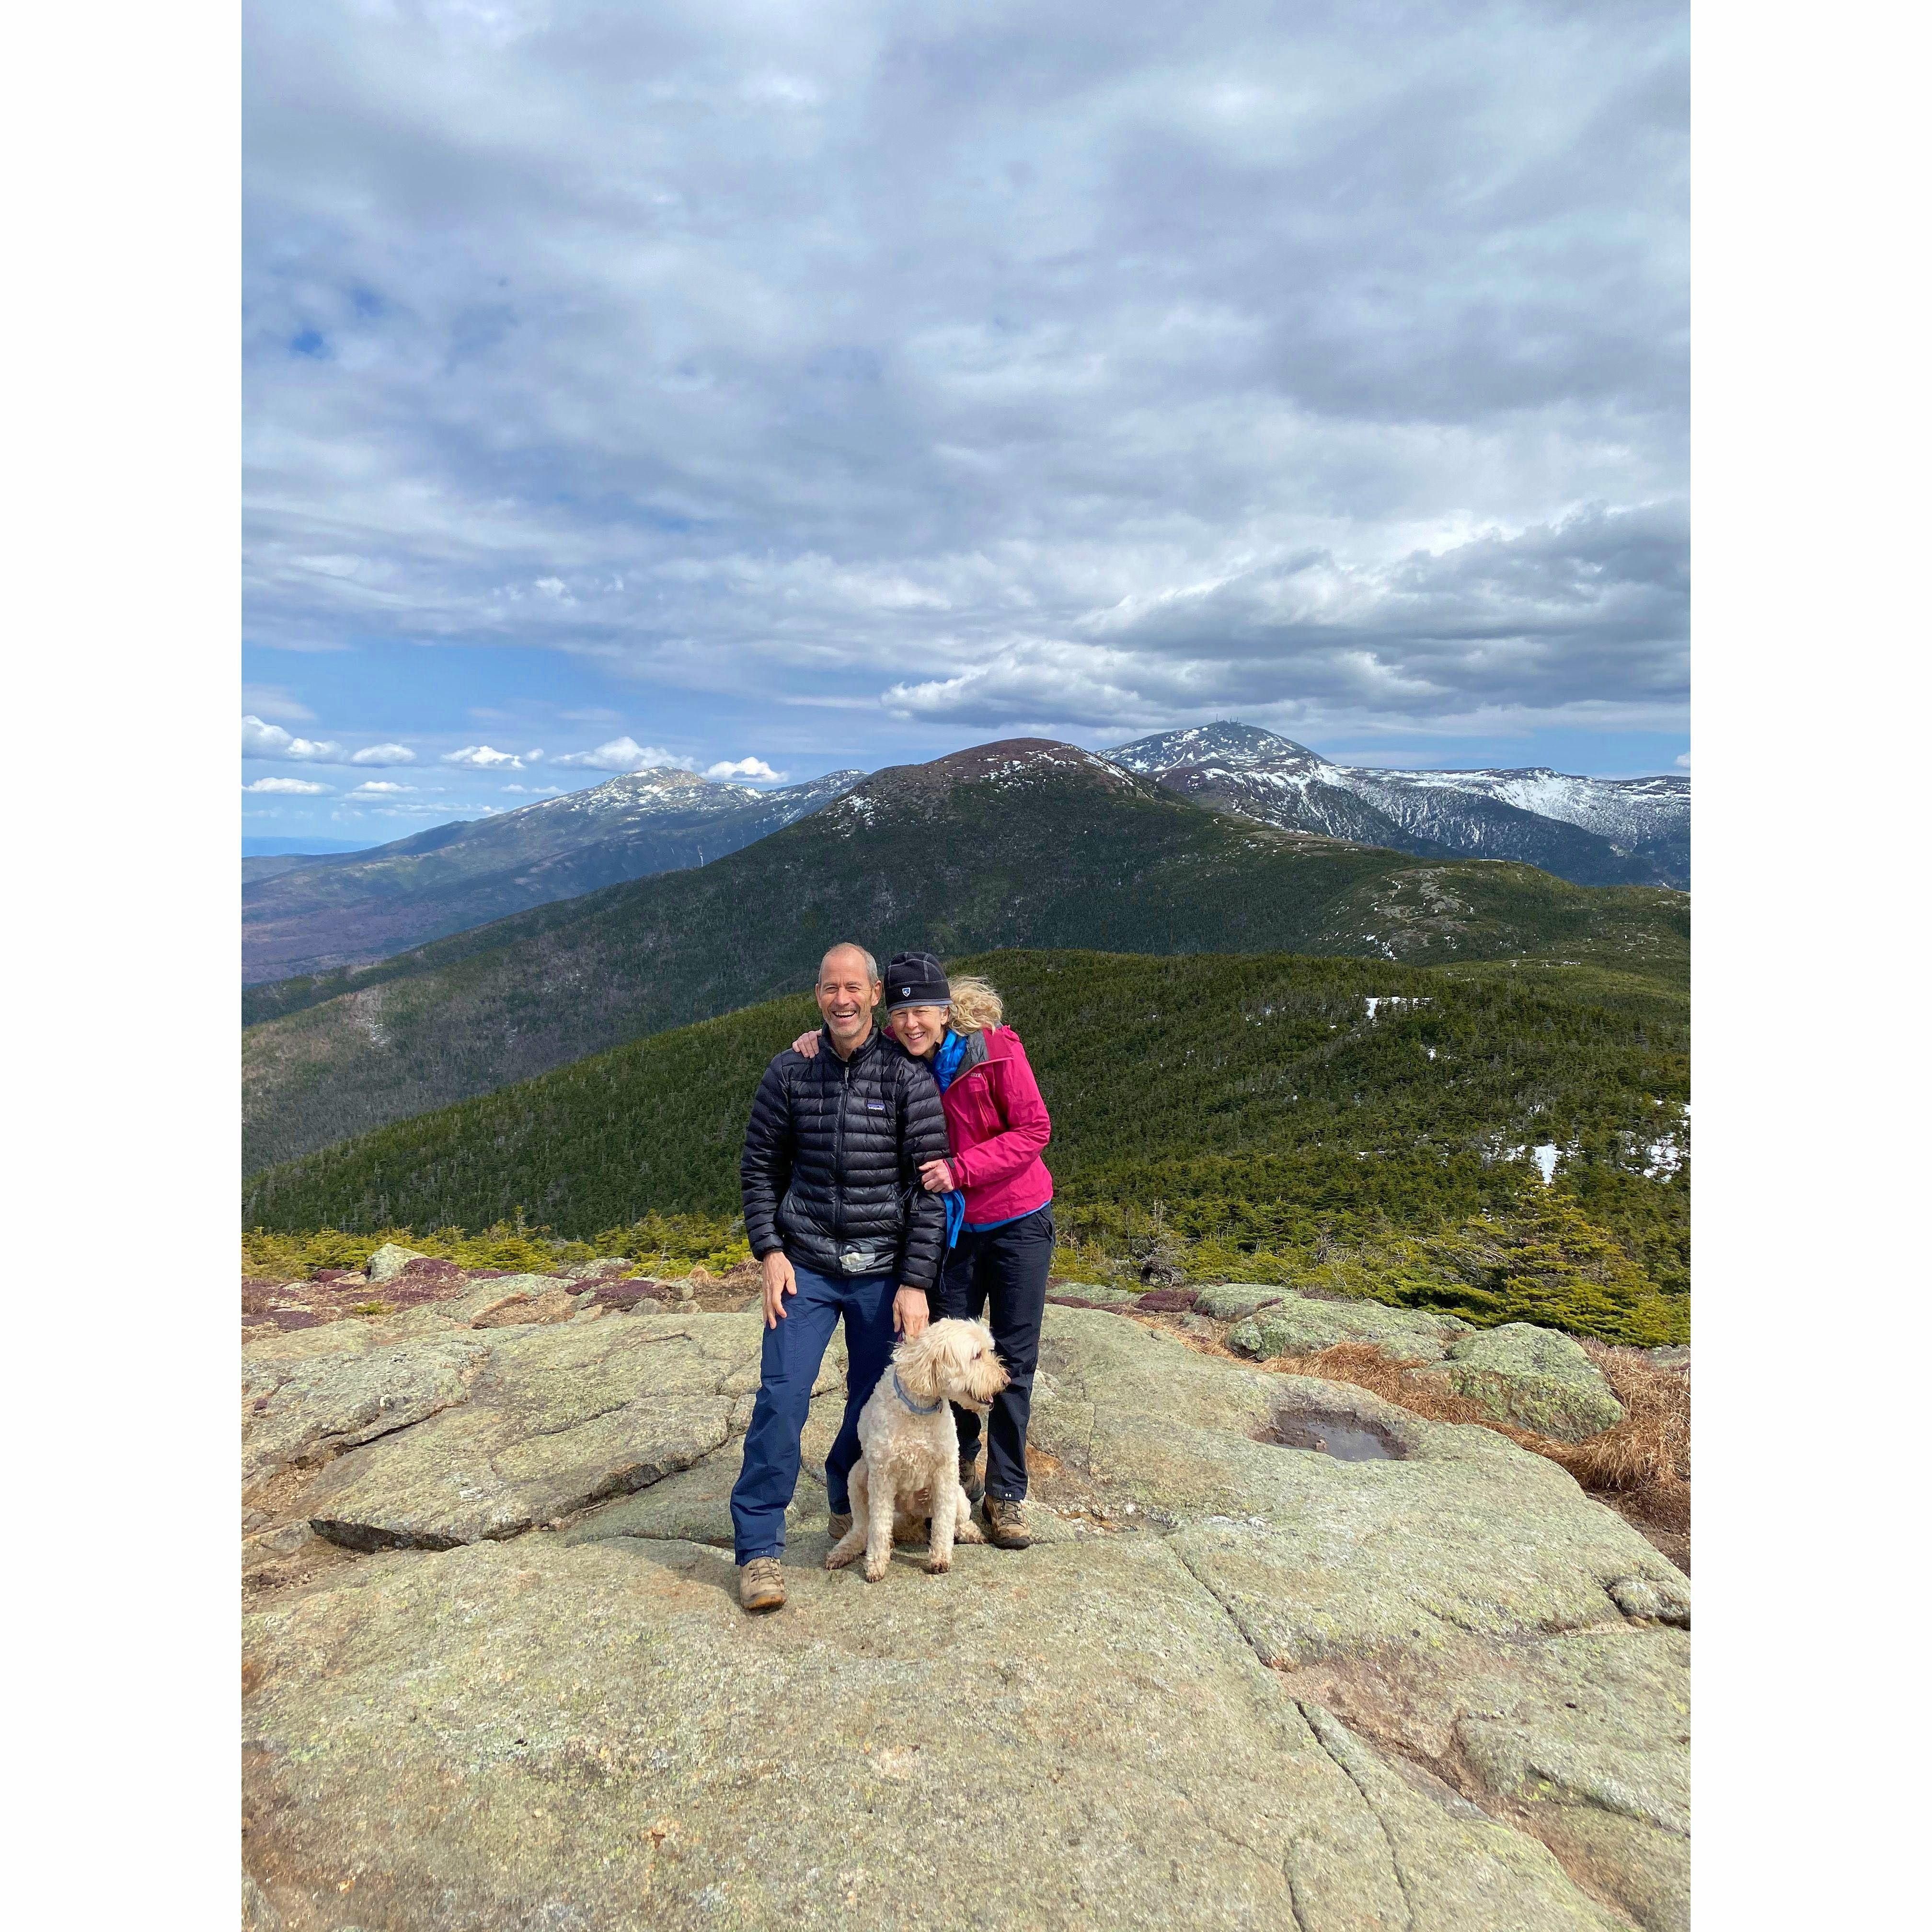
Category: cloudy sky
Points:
column 771, row 388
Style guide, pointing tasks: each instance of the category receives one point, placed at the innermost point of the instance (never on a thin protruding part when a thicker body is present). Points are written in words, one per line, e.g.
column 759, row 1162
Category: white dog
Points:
column 909, row 1466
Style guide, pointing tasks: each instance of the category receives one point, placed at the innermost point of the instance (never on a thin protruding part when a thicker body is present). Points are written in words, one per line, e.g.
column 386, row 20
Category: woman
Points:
column 998, row 1193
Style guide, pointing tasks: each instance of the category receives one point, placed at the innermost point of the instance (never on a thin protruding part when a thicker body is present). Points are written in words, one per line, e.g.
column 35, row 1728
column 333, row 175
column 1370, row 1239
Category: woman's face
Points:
column 919, row 1029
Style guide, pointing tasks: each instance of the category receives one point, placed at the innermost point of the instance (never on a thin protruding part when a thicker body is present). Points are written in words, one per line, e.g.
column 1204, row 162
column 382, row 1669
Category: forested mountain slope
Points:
column 1025, row 843
column 1269, row 1103
column 330, row 910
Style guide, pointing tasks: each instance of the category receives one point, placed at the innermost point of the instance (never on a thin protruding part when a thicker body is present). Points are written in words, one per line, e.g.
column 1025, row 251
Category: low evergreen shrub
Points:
column 1356, row 1127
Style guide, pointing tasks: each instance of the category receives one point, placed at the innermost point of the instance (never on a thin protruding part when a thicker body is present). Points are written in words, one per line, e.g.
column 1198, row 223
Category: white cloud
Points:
column 379, row 788
column 353, row 811
column 262, row 740
column 743, row 768
column 484, row 758
column 305, row 786
column 271, row 700
column 536, row 791
column 1422, row 636
column 626, row 754
column 1204, row 358
column 1684, row 760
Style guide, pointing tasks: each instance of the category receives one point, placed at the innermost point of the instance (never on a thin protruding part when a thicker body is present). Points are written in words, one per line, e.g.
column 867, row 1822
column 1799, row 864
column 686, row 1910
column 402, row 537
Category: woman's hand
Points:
column 936, row 1177
column 806, row 1043
column 909, row 1313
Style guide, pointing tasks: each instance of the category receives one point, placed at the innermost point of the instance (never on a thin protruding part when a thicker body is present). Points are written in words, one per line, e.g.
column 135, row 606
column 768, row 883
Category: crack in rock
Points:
column 325, row 1405
column 1339, row 1746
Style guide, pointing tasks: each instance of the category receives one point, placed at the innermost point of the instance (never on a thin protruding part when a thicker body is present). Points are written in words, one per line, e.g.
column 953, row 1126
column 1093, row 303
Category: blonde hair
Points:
column 975, row 1005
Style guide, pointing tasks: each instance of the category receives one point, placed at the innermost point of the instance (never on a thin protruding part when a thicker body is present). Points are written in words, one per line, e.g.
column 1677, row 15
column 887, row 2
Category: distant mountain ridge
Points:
column 1028, row 843
column 342, row 909
column 1590, row 831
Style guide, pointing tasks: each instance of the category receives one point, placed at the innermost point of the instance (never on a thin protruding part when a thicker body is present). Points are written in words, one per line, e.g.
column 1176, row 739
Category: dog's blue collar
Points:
column 898, row 1389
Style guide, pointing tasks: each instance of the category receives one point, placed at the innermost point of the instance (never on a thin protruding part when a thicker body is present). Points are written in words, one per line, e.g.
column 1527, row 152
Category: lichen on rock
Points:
column 1300, row 1324
column 1234, row 1683
column 389, row 1261
column 1534, row 1377
column 1232, row 1300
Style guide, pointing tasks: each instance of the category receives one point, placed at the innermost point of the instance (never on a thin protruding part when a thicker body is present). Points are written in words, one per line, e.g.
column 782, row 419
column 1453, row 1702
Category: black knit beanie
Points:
column 916, row 979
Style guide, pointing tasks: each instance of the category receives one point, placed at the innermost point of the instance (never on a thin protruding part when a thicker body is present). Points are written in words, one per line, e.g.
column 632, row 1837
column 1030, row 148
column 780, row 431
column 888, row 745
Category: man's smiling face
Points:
column 847, row 994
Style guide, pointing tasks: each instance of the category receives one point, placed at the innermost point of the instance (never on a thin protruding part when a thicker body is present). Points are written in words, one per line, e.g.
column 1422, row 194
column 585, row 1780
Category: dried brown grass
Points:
column 1647, row 1456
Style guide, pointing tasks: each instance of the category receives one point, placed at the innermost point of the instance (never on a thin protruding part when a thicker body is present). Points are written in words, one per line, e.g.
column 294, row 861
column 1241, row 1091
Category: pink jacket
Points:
column 997, row 1124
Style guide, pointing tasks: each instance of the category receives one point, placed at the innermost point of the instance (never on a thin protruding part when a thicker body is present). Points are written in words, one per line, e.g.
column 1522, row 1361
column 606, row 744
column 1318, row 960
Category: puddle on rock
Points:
column 1346, row 1441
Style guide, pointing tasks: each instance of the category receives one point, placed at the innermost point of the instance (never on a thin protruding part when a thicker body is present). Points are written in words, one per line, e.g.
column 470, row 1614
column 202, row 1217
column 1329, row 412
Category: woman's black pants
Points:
column 1003, row 1271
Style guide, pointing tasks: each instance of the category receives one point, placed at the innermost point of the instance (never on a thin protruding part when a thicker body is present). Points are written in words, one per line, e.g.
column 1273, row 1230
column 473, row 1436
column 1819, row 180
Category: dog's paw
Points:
column 874, row 1571
column 935, row 1567
column 969, row 1532
column 834, row 1560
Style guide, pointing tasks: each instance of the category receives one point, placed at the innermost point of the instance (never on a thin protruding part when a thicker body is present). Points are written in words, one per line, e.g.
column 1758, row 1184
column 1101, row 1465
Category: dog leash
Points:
column 898, row 1389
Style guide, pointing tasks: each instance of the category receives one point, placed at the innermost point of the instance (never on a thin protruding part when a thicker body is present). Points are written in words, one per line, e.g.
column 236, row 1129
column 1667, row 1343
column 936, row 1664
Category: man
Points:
column 835, row 1214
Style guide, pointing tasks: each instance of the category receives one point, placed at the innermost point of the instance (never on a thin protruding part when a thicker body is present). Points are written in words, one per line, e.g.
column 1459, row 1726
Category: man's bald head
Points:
column 838, row 963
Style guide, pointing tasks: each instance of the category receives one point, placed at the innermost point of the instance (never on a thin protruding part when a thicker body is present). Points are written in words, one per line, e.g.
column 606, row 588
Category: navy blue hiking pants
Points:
column 794, row 1351
column 1004, row 1272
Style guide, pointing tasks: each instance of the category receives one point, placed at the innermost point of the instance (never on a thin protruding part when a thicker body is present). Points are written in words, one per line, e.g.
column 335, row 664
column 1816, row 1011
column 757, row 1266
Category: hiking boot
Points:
column 761, row 1584
column 1006, row 1524
column 969, row 1478
column 838, row 1523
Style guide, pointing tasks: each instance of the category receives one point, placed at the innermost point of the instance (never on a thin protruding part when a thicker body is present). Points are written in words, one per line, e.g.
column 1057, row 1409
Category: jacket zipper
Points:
column 838, row 1153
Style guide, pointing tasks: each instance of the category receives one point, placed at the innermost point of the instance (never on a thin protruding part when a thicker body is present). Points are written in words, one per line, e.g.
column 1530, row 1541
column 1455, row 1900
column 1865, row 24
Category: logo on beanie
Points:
column 905, row 992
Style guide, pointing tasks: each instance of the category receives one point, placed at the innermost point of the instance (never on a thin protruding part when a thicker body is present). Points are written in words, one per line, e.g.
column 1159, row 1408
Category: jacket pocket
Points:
column 794, row 1217
column 979, row 1116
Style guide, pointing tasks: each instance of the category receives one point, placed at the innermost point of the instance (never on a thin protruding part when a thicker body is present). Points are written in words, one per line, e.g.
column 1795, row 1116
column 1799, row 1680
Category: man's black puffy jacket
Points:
column 832, row 1159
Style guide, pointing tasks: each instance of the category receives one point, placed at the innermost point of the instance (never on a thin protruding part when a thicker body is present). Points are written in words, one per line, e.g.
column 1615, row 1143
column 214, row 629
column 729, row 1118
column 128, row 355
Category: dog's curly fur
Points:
column 909, row 1466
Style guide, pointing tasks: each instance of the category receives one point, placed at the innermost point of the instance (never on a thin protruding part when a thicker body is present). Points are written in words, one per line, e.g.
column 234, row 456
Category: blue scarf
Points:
column 951, row 1050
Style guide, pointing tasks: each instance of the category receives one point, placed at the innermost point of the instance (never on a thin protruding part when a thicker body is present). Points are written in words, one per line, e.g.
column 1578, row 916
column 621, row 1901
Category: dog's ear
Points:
column 985, row 1373
column 918, row 1364
column 962, row 1345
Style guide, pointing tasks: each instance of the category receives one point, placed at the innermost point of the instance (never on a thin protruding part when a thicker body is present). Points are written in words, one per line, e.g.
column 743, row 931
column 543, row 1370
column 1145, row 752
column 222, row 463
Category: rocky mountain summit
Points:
column 1282, row 1653
column 1005, row 769
column 1593, row 831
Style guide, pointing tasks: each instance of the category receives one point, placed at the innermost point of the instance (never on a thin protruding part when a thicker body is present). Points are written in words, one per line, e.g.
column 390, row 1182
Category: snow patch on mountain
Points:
column 1595, row 831
column 1627, row 810
column 1396, row 1003
column 1662, row 1158
column 1232, row 746
column 855, row 808
column 663, row 790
